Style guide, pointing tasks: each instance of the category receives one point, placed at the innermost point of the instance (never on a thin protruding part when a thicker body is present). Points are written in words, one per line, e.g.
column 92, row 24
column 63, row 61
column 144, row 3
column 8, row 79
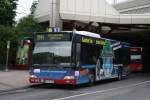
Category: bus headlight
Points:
column 69, row 77
column 36, row 70
column 33, row 76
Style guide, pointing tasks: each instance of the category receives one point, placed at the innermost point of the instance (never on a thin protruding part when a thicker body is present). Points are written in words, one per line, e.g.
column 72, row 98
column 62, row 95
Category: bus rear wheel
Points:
column 120, row 72
column 119, row 77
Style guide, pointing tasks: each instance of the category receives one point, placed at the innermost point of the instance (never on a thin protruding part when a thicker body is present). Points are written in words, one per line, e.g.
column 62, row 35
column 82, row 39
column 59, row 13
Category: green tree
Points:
column 24, row 28
column 28, row 25
column 7, row 12
column 33, row 7
column 7, row 33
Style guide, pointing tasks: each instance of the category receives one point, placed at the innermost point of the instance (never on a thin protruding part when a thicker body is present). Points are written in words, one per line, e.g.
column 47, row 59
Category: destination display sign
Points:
column 52, row 37
column 93, row 41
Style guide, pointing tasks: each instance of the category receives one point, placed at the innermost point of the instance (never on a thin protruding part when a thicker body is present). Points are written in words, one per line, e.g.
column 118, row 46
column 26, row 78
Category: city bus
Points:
column 76, row 58
column 136, row 59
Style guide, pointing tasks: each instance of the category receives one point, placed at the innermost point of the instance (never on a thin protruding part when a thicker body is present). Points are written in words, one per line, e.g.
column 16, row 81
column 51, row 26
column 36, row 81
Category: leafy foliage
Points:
column 33, row 7
column 7, row 33
column 7, row 12
column 28, row 25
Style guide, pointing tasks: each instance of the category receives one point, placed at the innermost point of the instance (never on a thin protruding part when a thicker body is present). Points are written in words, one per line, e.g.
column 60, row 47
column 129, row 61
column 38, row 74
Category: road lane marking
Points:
column 102, row 91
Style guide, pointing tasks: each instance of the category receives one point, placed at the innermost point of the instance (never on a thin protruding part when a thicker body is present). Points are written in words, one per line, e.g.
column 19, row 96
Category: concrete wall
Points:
column 85, row 10
column 48, row 10
column 98, row 11
column 134, row 7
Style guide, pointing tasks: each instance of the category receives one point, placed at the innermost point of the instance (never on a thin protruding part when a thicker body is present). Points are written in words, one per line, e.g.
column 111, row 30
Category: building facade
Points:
column 47, row 13
column 134, row 7
column 66, row 13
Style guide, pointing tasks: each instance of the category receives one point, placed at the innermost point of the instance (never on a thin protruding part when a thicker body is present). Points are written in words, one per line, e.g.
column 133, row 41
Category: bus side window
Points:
column 89, row 54
column 78, row 51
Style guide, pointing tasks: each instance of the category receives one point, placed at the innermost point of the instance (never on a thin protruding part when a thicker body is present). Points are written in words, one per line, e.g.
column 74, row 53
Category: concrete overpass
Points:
column 98, row 11
column 133, row 7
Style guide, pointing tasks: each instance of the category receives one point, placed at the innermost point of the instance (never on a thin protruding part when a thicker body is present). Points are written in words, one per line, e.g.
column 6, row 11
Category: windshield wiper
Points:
column 53, row 65
column 36, row 64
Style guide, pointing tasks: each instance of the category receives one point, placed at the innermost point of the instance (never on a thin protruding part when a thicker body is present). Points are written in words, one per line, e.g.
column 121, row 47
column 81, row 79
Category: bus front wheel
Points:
column 91, row 79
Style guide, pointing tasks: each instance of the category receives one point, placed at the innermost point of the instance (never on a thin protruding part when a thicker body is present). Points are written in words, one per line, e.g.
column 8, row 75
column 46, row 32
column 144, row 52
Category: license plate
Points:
column 49, row 81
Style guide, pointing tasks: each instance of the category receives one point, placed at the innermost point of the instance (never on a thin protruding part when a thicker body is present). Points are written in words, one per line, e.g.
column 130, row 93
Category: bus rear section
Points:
column 136, row 63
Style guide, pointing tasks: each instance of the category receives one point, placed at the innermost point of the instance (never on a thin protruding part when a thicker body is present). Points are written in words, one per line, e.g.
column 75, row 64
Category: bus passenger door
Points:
column 107, row 56
column 78, row 51
column 107, row 66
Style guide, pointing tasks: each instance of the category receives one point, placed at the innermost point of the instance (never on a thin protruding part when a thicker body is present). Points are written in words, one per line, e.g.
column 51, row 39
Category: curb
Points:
column 14, row 89
column 17, row 89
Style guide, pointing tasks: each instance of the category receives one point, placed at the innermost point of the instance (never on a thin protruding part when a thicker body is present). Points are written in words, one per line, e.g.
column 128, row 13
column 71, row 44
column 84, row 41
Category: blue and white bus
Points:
column 76, row 58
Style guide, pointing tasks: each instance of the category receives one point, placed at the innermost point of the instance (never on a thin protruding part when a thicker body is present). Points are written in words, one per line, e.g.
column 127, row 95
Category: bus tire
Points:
column 91, row 80
column 120, row 73
column 119, row 77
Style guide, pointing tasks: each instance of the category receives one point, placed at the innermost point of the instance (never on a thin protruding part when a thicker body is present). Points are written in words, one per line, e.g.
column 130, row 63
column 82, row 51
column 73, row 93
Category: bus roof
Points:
column 123, row 43
column 85, row 33
column 90, row 34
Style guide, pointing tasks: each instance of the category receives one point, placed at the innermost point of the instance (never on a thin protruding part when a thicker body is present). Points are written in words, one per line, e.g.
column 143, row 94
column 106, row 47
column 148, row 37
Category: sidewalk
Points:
column 13, row 79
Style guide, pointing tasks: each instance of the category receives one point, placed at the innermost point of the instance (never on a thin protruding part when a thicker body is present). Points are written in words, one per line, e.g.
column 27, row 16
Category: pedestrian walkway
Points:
column 13, row 79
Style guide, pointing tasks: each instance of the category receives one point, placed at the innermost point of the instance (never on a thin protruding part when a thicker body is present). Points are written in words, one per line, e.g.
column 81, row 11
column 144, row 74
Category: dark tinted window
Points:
column 58, row 53
column 89, row 53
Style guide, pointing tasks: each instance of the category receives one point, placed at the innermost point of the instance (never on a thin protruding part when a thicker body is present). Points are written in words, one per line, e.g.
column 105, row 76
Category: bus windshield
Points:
column 52, row 54
column 136, row 58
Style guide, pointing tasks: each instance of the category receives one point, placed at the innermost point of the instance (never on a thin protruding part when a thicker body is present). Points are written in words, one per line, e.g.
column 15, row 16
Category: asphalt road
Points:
column 136, row 87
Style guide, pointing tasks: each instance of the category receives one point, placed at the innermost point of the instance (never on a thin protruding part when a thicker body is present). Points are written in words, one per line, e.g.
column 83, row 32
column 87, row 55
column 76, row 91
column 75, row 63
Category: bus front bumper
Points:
column 53, row 81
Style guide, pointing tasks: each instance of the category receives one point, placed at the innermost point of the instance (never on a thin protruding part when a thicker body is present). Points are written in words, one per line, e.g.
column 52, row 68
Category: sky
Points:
column 23, row 8
column 112, row 1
